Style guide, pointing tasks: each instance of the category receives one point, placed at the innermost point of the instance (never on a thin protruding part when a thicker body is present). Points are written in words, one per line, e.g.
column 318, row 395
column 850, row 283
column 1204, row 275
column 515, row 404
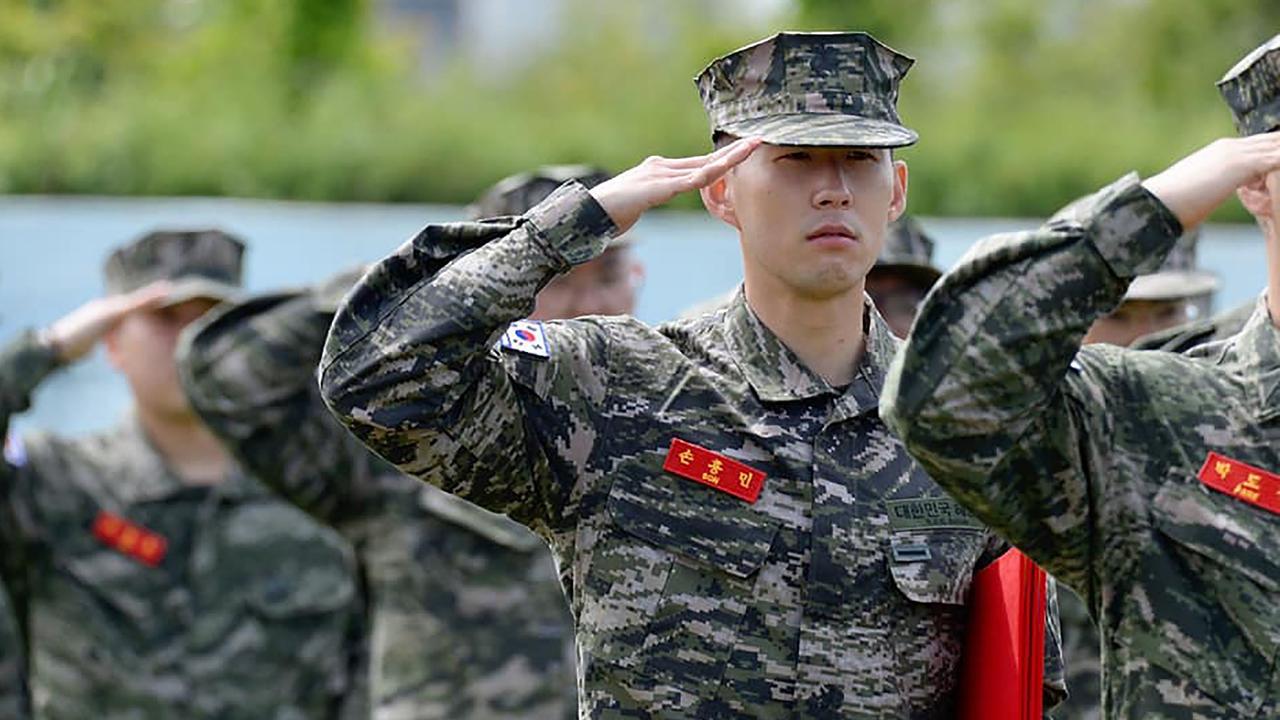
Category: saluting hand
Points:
column 1197, row 184
column 629, row 194
column 75, row 334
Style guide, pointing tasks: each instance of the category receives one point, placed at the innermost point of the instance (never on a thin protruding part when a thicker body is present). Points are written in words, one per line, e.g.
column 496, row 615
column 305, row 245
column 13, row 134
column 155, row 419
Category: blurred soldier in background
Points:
column 157, row 580
column 1178, row 291
column 903, row 274
column 469, row 620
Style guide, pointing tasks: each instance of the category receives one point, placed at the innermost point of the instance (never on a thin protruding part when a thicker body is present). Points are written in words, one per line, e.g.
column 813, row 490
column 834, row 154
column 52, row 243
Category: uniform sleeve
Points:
column 410, row 365
column 24, row 364
column 992, row 393
column 249, row 372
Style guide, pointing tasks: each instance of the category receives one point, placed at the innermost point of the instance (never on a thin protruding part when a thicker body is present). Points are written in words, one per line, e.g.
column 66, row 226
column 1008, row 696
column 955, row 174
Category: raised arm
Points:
column 410, row 365
column 249, row 371
column 991, row 393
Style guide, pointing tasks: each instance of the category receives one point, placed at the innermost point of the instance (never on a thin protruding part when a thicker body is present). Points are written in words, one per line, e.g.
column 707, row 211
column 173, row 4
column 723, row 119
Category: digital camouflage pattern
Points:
column 1194, row 334
column 839, row 593
column 15, row 702
column 468, row 618
column 199, row 263
column 809, row 89
column 251, row 612
column 1088, row 458
column 515, row 194
column 1252, row 89
column 1082, row 654
column 908, row 249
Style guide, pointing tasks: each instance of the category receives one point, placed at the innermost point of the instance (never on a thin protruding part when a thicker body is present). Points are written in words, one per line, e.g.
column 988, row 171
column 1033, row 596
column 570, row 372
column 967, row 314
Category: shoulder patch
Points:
column 15, row 453
column 528, row 337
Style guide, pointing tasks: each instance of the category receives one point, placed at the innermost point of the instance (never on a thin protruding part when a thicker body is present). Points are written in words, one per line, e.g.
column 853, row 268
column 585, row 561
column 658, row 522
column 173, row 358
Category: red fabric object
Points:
column 1002, row 670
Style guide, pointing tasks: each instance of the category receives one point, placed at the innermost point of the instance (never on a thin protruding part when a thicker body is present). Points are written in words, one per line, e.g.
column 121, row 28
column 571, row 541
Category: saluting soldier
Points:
column 160, row 581
column 1145, row 481
column 468, row 618
column 738, row 533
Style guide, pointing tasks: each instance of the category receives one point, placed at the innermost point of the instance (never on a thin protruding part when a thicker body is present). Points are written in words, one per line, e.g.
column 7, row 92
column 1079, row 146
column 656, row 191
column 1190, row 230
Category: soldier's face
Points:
column 141, row 347
column 897, row 297
column 812, row 219
column 606, row 285
column 1136, row 318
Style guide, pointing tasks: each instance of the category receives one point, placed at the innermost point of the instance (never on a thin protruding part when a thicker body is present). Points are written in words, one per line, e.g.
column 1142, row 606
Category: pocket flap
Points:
column 1245, row 538
column 935, row 566
column 694, row 521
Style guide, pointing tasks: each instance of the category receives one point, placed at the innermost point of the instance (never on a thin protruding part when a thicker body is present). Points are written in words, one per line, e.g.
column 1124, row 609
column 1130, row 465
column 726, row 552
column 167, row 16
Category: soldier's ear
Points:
column 717, row 198
column 111, row 345
column 898, row 203
column 1256, row 197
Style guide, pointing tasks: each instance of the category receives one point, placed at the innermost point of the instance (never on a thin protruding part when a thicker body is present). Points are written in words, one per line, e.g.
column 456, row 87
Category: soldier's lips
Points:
column 834, row 237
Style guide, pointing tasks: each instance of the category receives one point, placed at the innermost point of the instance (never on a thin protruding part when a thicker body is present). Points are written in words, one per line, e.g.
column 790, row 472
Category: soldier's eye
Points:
column 797, row 155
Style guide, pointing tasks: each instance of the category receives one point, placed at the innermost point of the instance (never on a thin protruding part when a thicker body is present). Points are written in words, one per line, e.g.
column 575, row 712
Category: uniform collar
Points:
column 145, row 476
column 1258, row 353
column 777, row 375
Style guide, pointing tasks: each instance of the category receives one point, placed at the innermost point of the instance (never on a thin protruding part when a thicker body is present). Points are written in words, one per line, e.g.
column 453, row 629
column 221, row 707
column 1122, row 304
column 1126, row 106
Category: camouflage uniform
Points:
column 1092, row 459
column 146, row 597
column 840, row 592
column 15, row 701
column 468, row 618
column 1194, row 334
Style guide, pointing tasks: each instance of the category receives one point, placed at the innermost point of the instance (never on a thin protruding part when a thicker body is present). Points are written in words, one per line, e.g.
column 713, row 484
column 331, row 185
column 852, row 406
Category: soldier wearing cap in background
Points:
column 1147, row 482
column 468, row 618
column 156, row 579
column 605, row 285
column 738, row 534
column 903, row 274
column 1178, row 291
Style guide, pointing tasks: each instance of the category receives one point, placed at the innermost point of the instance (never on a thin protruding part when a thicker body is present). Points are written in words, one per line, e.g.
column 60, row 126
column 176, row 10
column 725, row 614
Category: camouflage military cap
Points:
column 833, row 88
column 909, row 250
column 198, row 263
column 1252, row 89
column 1178, row 277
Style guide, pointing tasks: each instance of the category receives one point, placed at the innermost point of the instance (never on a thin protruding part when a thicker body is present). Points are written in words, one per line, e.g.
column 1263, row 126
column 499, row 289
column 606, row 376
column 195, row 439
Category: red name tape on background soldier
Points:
column 133, row 540
column 714, row 470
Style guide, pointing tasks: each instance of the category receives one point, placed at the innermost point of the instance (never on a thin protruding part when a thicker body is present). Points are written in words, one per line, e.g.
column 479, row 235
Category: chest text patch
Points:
column 713, row 470
column 133, row 540
column 1243, row 482
column 929, row 513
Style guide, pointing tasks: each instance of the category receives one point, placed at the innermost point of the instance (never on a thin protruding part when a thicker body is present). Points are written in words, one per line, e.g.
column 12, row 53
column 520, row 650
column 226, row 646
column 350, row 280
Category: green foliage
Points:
column 1020, row 106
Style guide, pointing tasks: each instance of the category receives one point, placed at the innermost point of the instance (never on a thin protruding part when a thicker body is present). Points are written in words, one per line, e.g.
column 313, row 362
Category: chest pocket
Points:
column 1212, row 591
column 698, row 553
column 933, row 547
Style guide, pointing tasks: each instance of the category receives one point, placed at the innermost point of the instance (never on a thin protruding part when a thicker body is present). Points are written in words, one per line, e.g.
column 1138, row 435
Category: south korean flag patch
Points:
column 528, row 337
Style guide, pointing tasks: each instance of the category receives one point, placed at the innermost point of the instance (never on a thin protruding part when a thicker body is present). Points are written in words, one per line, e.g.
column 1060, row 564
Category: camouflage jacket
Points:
column 468, row 617
column 839, row 592
column 149, row 598
column 1093, row 460
column 15, row 702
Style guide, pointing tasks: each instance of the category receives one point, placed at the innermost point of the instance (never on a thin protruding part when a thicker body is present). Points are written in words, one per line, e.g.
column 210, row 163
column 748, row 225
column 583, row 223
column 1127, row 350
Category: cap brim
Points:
column 819, row 129
column 200, row 289
column 1172, row 285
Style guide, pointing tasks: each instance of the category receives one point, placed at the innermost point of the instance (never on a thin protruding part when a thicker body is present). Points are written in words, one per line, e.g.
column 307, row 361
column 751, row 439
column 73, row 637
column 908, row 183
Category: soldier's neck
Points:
column 192, row 452
column 824, row 333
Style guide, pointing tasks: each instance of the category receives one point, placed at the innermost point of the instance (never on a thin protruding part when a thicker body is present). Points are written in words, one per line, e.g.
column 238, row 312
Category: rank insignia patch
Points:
column 714, row 470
